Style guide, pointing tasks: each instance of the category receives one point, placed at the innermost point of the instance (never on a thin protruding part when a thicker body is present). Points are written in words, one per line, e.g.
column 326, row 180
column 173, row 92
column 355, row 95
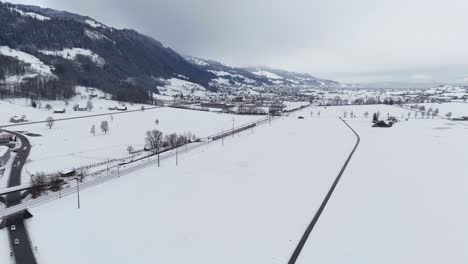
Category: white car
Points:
column 12, row 227
column 17, row 241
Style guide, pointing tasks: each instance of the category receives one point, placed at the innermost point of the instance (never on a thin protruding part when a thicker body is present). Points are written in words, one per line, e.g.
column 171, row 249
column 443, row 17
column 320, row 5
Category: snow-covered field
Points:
column 401, row 200
column 246, row 202
column 70, row 144
column 457, row 109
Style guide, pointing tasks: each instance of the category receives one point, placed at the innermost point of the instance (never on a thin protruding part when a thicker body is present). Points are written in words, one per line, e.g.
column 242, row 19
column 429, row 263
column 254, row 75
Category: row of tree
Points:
column 156, row 141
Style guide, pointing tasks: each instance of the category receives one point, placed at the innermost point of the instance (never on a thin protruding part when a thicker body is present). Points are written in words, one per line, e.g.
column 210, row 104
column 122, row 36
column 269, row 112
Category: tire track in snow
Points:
column 314, row 221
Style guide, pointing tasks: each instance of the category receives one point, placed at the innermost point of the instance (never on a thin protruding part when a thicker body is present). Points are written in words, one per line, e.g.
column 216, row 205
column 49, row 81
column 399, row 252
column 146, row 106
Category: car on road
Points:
column 12, row 227
column 17, row 241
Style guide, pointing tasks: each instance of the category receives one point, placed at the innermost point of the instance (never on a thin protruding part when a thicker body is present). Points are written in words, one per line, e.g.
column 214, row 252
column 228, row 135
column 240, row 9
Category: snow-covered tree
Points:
column 154, row 140
column 89, row 105
column 171, row 140
column 50, row 122
column 93, row 129
column 105, row 126
column 130, row 149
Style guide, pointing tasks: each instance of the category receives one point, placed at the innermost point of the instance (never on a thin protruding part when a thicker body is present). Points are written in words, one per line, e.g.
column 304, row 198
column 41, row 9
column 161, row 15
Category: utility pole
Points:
column 158, row 155
column 78, row 190
column 118, row 171
column 233, row 120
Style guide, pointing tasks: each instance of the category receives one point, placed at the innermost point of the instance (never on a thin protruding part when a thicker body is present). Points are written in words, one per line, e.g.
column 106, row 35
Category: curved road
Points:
column 23, row 252
column 311, row 226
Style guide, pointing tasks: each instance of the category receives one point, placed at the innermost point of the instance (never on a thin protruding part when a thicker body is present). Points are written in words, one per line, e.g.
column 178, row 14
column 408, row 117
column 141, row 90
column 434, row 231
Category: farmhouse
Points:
column 78, row 108
column 17, row 119
column 67, row 173
column 4, row 155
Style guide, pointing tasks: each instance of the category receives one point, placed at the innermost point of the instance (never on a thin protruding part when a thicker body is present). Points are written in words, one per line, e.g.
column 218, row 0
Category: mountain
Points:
column 82, row 51
column 45, row 53
column 258, row 76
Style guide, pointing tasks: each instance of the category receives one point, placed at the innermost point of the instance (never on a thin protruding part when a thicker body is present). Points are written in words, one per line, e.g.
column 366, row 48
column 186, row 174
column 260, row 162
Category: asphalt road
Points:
column 314, row 221
column 23, row 252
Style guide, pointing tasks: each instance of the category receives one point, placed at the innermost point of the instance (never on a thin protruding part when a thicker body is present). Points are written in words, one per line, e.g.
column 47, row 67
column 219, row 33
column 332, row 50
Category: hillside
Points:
column 45, row 53
column 258, row 76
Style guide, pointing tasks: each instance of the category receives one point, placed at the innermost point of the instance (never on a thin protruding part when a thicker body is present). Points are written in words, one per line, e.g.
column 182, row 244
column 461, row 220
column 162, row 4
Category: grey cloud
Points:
column 360, row 40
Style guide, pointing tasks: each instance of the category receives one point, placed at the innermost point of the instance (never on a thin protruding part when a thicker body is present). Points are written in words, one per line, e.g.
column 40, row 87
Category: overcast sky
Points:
column 344, row 40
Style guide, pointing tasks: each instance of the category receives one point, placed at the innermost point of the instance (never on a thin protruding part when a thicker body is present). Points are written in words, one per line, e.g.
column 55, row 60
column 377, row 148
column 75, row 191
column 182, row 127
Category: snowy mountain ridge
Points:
column 80, row 51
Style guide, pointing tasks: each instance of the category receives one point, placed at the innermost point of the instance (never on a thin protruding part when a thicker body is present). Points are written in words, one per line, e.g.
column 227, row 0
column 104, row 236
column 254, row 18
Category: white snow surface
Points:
column 37, row 65
column 267, row 74
column 246, row 202
column 179, row 86
column 71, row 54
column 401, row 199
column 94, row 24
column 199, row 62
column 30, row 14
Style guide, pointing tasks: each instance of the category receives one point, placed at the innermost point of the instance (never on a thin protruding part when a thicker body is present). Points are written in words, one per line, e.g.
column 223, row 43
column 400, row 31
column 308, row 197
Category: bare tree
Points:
column 157, row 122
column 105, row 126
column 89, row 105
column 81, row 173
column 130, row 149
column 48, row 107
column 38, row 184
column 112, row 118
column 171, row 140
column 448, row 115
column 93, row 129
column 181, row 140
column 50, row 122
column 154, row 140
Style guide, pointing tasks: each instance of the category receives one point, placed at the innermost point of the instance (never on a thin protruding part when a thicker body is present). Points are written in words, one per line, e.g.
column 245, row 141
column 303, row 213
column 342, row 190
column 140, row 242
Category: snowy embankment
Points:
column 401, row 199
column 246, row 202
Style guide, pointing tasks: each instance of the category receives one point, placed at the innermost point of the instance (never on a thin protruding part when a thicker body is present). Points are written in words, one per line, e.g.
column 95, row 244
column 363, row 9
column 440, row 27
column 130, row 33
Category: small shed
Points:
column 59, row 111
column 67, row 173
